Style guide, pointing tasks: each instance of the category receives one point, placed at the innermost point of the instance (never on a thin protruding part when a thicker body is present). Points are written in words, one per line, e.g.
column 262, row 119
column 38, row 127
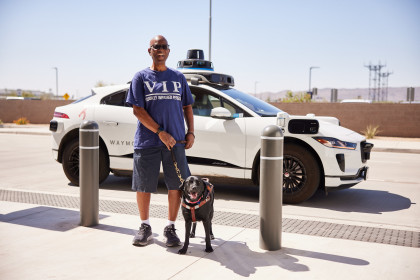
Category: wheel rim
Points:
column 294, row 175
column 73, row 162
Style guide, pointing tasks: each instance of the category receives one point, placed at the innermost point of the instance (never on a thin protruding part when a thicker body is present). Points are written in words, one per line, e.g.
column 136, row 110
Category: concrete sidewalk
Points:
column 44, row 242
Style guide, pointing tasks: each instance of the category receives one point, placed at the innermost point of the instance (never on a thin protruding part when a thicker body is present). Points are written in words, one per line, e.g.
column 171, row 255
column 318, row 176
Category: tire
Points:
column 301, row 174
column 71, row 162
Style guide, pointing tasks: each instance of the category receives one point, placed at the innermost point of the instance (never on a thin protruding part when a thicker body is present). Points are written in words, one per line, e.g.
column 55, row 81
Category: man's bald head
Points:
column 158, row 39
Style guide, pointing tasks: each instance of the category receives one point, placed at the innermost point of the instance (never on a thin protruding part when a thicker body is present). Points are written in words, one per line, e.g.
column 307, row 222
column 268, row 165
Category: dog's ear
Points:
column 205, row 181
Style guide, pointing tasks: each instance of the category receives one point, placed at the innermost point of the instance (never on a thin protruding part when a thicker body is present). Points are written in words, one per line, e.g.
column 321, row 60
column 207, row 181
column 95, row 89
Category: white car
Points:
column 318, row 152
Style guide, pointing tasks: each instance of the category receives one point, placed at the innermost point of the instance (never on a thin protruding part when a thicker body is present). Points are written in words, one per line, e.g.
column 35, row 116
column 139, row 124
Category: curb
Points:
column 393, row 150
column 26, row 132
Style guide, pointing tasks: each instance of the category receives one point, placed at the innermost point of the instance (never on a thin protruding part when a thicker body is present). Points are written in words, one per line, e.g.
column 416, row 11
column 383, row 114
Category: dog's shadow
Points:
column 244, row 261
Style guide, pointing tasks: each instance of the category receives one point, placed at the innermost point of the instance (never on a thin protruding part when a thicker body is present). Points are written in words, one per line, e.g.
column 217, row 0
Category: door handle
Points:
column 110, row 123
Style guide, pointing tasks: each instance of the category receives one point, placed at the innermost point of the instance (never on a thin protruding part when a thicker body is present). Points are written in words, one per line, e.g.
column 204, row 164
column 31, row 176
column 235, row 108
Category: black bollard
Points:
column 89, row 173
column 271, row 188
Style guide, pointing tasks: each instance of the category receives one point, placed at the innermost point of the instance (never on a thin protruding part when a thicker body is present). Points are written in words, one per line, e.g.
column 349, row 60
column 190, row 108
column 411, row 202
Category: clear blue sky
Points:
column 273, row 42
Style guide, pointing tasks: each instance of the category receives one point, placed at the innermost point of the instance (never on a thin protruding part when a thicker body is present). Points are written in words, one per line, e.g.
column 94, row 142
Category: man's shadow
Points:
column 242, row 260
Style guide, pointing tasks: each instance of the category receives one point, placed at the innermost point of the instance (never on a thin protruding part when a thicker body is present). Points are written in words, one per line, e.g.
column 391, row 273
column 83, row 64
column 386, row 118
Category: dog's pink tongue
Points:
column 193, row 196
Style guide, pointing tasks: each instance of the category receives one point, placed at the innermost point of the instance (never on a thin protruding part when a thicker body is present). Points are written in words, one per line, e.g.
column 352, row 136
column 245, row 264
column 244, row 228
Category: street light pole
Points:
column 255, row 88
column 210, row 34
column 310, row 70
column 56, row 80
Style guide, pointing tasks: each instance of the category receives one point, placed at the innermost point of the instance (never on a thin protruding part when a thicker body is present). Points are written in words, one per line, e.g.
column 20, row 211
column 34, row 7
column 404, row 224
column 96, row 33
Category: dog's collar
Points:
column 197, row 204
column 194, row 202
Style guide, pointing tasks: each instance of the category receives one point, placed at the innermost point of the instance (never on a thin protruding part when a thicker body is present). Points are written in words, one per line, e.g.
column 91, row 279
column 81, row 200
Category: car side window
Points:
column 205, row 101
column 116, row 99
column 234, row 110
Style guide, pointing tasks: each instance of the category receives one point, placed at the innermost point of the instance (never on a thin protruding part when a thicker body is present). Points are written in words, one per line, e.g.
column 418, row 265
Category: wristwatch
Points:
column 159, row 130
column 192, row 133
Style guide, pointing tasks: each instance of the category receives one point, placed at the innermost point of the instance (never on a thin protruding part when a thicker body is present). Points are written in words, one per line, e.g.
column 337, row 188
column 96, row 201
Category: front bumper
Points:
column 344, row 182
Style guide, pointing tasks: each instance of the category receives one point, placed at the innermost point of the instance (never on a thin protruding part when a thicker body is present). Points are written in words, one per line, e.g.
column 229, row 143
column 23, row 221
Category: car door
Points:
column 117, row 125
column 219, row 147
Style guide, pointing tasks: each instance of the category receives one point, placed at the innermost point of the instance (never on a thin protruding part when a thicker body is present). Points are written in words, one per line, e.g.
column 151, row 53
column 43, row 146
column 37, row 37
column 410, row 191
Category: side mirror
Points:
column 221, row 113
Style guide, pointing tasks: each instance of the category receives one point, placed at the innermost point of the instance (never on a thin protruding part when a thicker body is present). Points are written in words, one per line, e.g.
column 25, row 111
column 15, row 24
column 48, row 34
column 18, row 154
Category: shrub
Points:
column 371, row 131
column 300, row 97
column 21, row 121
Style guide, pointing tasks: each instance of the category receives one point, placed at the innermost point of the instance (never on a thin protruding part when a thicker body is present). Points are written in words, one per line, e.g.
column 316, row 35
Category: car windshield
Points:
column 257, row 105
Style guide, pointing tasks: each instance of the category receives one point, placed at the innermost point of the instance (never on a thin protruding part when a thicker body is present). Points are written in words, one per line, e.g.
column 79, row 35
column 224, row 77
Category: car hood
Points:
column 331, row 130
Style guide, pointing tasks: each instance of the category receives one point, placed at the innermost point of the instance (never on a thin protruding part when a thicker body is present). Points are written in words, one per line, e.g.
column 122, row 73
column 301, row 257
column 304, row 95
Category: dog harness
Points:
column 192, row 206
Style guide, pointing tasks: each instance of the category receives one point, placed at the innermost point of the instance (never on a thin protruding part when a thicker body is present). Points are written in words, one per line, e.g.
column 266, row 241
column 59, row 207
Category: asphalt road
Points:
column 388, row 199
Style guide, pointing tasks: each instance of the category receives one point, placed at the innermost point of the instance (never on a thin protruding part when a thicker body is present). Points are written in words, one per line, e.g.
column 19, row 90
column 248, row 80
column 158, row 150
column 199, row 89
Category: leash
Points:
column 178, row 172
column 188, row 204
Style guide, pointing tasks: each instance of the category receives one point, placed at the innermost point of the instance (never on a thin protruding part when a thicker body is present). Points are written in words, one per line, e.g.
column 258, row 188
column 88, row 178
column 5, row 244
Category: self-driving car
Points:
column 318, row 152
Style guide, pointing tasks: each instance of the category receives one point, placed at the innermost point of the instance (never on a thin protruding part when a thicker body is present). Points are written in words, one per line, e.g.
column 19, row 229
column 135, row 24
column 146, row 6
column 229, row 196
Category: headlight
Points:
column 335, row 143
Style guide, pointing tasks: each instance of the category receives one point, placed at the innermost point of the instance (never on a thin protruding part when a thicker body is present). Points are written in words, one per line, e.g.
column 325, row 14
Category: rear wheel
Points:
column 71, row 162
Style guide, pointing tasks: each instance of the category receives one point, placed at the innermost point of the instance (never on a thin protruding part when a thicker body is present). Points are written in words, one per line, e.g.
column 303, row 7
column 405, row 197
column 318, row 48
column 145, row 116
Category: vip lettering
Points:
column 121, row 143
column 166, row 87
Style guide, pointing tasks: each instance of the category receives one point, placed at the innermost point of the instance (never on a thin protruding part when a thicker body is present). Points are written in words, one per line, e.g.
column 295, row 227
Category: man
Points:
column 161, row 98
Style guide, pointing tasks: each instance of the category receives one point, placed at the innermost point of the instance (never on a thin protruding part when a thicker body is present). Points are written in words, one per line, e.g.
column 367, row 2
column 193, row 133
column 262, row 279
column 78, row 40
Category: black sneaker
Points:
column 171, row 237
column 143, row 236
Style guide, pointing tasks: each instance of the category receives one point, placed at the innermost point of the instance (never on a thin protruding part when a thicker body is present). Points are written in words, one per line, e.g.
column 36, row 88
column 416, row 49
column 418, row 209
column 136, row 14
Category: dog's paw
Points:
column 209, row 249
column 182, row 251
column 192, row 235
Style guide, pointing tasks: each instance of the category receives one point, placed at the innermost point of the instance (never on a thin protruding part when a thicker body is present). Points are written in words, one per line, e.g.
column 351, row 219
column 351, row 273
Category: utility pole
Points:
column 255, row 88
column 310, row 70
column 210, row 34
column 385, row 85
column 56, row 80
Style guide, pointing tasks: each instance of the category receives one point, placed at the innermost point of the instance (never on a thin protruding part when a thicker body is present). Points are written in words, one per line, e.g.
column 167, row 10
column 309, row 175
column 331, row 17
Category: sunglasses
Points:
column 158, row 47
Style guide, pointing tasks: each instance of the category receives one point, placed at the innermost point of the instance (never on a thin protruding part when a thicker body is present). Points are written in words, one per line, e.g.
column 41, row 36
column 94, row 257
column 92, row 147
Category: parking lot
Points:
column 383, row 210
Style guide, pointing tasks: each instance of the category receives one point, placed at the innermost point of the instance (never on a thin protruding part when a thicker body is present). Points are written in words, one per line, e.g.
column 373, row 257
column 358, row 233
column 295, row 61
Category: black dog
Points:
column 197, row 205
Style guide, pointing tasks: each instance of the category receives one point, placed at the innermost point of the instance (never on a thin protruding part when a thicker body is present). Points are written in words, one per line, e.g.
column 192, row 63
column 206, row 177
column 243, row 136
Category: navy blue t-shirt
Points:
column 162, row 95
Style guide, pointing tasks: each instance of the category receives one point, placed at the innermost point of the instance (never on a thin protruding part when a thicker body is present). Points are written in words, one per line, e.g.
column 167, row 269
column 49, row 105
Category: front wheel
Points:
column 301, row 174
column 71, row 162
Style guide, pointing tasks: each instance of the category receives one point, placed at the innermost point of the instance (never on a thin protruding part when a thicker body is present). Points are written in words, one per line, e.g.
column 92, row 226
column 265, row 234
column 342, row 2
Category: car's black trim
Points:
column 341, row 161
column 124, row 156
column 53, row 125
column 212, row 162
column 199, row 161
column 361, row 173
column 365, row 149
